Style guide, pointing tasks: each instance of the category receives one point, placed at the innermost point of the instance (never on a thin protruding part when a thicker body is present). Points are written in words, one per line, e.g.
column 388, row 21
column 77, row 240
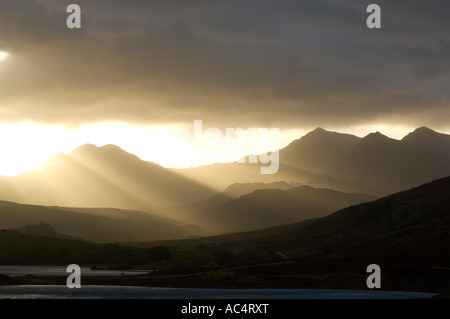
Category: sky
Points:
column 137, row 70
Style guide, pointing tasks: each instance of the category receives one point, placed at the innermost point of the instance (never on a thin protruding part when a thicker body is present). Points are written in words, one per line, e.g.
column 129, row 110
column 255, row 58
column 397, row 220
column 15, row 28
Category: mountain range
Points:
column 380, row 165
column 319, row 173
column 375, row 164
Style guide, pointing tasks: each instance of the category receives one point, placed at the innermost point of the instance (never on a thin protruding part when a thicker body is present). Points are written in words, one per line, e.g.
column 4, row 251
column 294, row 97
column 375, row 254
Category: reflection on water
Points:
column 126, row 292
column 61, row 271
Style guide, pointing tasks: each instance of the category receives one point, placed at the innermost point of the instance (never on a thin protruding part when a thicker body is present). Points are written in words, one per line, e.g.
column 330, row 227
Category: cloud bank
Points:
column 230, row 63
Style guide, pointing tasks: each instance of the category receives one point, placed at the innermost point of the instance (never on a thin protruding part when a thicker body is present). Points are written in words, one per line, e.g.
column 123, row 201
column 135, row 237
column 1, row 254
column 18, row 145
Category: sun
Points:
column 3, row 55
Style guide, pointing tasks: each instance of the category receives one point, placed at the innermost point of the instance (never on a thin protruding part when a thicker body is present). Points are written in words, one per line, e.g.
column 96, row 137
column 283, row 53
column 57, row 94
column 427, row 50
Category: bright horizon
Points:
column 33, row 143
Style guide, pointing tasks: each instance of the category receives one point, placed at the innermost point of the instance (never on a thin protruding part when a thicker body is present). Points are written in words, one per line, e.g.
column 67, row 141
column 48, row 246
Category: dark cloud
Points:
column 289, row 63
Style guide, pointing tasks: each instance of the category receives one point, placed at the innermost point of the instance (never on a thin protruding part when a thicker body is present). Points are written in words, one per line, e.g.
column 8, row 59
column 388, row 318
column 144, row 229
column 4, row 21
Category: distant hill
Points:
column 237, row 190
column 221, row 175
column 44, row 230
column 270, row 207
column 101, row 225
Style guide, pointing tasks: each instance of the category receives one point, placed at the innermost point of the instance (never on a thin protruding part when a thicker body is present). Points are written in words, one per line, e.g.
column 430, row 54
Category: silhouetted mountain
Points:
column 105, row 176
column 301, row 160
column 428, row 139
column 380, row 165
column 96, row 224
column 374, row 164
column 317, row 150
column 270, row 207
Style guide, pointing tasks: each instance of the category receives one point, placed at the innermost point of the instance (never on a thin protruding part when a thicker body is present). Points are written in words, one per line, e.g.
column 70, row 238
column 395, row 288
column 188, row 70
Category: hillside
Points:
column 96, row 224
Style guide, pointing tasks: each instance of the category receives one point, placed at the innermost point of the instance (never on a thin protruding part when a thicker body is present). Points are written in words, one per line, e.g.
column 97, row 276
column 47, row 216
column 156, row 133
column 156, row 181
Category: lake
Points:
column 15, row 270
column 132, row 292
column 127, row 292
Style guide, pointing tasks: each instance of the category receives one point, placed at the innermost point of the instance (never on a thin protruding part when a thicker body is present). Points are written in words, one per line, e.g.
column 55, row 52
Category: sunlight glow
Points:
column 28, row 145
column 3, row 55
column 25, row 146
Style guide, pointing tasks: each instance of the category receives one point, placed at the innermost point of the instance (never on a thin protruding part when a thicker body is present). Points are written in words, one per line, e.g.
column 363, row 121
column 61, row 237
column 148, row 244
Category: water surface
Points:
column 17, row 270
column 128, row 292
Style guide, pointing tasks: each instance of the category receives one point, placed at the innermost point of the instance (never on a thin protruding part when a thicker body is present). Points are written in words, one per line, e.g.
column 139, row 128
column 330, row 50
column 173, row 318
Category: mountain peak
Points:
column 318, row 130
column 86, row 147
column 423, row 129
column 376, row 139
column 421, row 132
column 111, row 147
column 90, row 148
column 376, row 136
column 429, row 139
